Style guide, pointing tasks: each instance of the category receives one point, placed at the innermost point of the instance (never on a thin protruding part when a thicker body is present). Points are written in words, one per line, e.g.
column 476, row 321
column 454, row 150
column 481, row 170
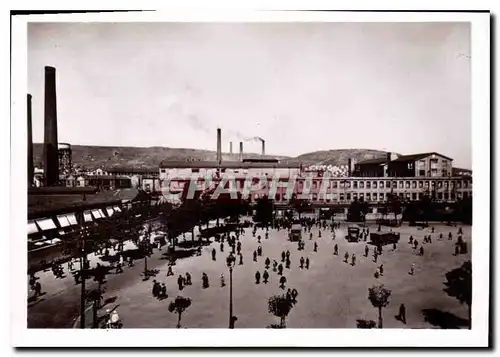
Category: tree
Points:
column 178, row 306
column 379, row 297
column 280, row 306
column 459, row 285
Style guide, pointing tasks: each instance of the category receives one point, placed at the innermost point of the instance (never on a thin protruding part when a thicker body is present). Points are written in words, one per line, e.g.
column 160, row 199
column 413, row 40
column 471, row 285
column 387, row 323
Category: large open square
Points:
column 332, row 293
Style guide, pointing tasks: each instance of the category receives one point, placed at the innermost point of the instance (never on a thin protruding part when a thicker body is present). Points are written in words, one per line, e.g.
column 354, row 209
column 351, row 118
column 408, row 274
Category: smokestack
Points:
column 231, row 147
column 30, row 145
column 241, row 150
column 50, row 153
column 263, row 147
column 219, row 146
column 388, row 161
column 349, row 164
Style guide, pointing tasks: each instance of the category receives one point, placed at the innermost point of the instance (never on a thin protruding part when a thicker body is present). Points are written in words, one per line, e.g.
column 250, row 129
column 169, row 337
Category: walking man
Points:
column 402, row 313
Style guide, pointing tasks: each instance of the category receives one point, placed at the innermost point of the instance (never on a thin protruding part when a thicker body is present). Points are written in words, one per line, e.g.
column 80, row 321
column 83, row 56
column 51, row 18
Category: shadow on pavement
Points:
column 365, row 323
column 443, row 319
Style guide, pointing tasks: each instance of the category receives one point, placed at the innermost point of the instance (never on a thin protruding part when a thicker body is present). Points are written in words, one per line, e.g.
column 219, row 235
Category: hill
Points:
column 150, row 157
column 338, row 157
column 140, row 157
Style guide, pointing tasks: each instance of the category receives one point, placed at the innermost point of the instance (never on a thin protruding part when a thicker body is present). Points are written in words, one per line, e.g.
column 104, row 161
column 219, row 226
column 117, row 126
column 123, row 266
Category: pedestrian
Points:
column 394, row 246
column 336, row 250
column 307, row 263
column 205, row 283
column 241, row 259
column 432, row 229
column 319, row 234
column 222, row 281
column 412, row 269
column 259, row 250
column 294, row 295
column 257, row 277
column 119, row 268
column 377, row 273
column 289, row 294
column 411, row 240
column 449, row 236
column 367, row 250
column 258, row 239
column 267, row 263
column 169, row 271
column 346, row 257
column 213, row 254
column 287, row 263
column 38, row 289
column 280, row 269
column 283, row 255
column 267, row 235
column 188, row 279
column 441, row 235
column 315, row 246
column 275, row 265
column 381, row 269
column 288, row 254
column 353, row 260
column 375, row 257
column 301, row 262
column 415, row 244
column 180, row 282
column 457, row 249
column 163, row 290
column 402, row 313
column 265, row 276
column 221, row 246
column 282, row 282
column 460, row 231
column 155, row 291
column 421, row 252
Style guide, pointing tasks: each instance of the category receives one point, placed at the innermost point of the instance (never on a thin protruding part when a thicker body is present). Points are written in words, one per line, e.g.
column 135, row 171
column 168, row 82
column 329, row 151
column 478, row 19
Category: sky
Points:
column 303, row 87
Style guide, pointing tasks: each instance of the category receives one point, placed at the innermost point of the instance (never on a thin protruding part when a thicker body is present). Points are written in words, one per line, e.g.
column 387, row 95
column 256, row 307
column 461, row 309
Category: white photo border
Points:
column 21, row 336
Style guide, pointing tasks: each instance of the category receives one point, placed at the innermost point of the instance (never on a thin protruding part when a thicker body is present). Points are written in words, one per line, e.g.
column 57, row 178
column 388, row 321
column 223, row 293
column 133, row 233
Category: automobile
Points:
column 295, row 232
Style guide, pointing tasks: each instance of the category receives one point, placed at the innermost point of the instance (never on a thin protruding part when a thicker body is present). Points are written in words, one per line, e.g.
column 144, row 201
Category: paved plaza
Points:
column 332, row 294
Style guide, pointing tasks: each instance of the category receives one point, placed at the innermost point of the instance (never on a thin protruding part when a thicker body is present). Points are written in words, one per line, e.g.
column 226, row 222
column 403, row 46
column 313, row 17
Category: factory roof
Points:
column 372, row 161
column 419, row 156
column 39, row 206
column 226, row 165
column 62, row 190
column 118, row 169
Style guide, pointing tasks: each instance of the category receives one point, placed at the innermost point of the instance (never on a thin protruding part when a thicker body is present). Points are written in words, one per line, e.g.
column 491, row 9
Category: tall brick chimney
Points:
column 241, row 150
column 50, row 153
column 219, row 145
column 231, row 147
column 349, row 167
column 388, row 162
column 263, row 147
column 30, row 144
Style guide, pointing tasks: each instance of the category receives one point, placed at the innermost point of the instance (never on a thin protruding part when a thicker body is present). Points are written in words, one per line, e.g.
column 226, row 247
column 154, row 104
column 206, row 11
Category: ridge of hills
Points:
column 92, row 157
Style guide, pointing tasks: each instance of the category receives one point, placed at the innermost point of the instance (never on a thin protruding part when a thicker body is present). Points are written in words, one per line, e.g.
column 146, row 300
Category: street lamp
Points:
column 230, row 260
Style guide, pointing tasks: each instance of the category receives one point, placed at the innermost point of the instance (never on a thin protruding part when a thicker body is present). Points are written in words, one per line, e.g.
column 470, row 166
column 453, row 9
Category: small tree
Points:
column 459, row 285
column 280, row 306
column 379, row 297
column 178, row 306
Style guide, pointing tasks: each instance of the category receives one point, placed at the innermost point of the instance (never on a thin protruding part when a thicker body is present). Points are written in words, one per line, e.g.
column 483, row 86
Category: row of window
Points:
column 377, row 197
column 388, row 184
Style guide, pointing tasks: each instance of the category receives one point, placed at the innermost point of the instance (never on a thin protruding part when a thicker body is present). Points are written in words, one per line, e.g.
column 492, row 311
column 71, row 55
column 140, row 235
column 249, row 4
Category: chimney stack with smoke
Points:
column 50, row 153
column 241, row 150
column 219, row 146
column 349, row 165
column 263, row 147
column 30, row 145
column 231, row 147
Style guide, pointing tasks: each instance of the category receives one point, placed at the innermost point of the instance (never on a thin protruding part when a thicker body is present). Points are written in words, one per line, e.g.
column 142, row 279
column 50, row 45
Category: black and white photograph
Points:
column 322, row 175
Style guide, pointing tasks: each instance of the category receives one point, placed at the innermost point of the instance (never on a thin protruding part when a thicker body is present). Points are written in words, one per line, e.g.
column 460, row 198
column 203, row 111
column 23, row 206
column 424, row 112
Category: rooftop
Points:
column 227, row 165
column 419, row 156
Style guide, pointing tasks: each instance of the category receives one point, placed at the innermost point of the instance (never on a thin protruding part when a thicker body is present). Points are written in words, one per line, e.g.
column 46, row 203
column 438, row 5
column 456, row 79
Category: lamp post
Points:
column 230, row 260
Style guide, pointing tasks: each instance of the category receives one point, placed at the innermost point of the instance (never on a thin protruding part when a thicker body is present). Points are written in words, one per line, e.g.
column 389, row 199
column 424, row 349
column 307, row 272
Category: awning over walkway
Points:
column 46, row 224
